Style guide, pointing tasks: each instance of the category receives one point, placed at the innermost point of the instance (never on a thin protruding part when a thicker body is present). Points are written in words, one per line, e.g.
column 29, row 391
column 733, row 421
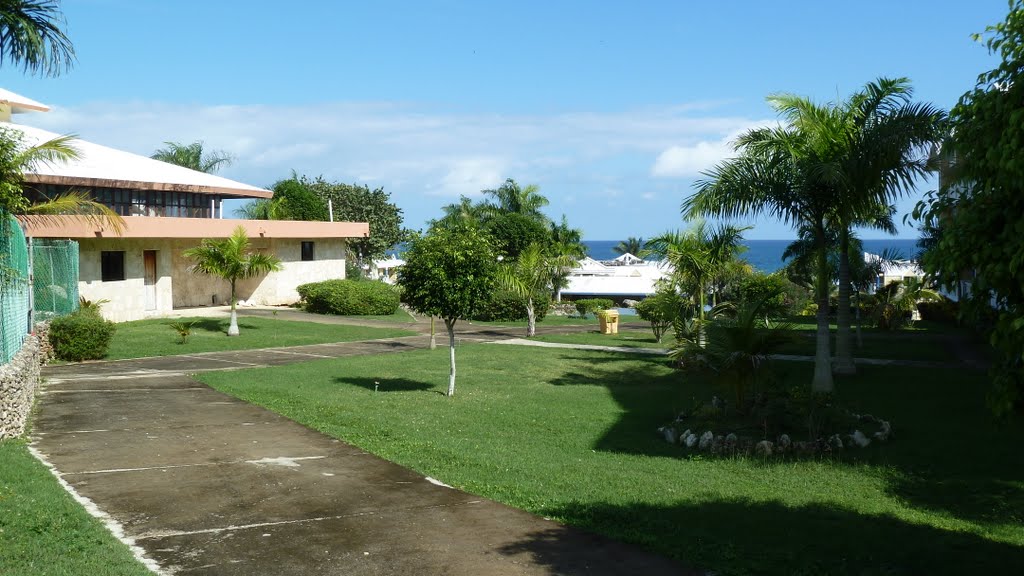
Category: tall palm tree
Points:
column 17, row 159
column 231, row 259
column 529, row 274
column 776, row 174
column 630, row 245
column 31, row 36
column 510, row 197
column 193, row 156
column 882, row 144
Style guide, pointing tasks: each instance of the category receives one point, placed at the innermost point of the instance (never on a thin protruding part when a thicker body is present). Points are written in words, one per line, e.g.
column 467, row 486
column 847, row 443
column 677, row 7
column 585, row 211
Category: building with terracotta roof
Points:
column 167, row 209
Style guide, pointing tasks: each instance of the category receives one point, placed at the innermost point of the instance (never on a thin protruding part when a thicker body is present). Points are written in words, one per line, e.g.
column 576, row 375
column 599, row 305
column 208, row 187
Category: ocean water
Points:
column 766, row 255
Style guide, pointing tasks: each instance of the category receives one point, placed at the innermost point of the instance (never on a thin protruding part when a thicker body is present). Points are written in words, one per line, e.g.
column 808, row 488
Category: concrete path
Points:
column 207, row 484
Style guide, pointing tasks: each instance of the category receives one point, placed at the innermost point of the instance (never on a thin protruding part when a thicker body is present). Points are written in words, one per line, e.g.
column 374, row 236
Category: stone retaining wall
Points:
column 19, row 380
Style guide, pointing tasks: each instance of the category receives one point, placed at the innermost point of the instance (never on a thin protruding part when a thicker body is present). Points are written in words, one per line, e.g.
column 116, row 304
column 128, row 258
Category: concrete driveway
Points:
column 207, row 484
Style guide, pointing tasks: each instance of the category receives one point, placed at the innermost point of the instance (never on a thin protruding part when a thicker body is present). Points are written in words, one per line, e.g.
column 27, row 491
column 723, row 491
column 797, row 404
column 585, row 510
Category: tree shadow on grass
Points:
column 217, row 325
column 386, row 384
column 745, row 537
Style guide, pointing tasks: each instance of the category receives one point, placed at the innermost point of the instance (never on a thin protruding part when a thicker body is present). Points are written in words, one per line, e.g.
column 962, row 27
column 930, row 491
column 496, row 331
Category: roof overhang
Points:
column 142, row 185
column 78, row 227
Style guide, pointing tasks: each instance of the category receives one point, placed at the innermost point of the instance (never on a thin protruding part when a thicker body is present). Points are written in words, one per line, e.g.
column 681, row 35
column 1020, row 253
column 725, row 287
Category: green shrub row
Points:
column 505, row 306
column 82, row 335
column 349, row 298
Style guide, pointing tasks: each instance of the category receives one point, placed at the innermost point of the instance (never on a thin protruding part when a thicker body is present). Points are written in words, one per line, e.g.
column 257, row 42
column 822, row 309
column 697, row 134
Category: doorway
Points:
column 149, row 277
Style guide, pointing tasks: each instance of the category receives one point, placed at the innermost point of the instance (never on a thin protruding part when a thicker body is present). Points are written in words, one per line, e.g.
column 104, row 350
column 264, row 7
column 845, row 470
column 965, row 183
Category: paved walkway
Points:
column 207, row 484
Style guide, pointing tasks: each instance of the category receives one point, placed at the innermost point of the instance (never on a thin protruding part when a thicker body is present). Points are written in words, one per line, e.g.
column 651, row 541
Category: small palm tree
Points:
column 17, row 159
column 530, row 274
column 193, row 157
column 31, row 37
column 232, row 260
column 897, row 302
column 511, row 198
column 630, row 245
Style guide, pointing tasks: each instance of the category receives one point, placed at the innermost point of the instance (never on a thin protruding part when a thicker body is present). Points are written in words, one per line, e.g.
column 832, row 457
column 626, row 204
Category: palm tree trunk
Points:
column 860, row 339
column 844, row 349
column 450, row 324
column 531, row 319
column 233, row 327
column 822, row 381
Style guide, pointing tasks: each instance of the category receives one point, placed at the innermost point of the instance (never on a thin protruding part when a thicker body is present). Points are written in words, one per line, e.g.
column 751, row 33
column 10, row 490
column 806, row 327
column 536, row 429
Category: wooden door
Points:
column 149, row 263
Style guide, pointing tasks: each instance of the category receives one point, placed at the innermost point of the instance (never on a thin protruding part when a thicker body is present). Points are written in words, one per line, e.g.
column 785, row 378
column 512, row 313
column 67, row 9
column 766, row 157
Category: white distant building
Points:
column 167, row 209
column 624, row 277
column 895, row 270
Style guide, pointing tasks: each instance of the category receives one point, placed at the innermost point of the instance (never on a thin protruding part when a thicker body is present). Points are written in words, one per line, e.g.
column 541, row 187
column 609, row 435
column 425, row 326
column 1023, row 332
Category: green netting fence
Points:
column 54, row 277
column 14, row 288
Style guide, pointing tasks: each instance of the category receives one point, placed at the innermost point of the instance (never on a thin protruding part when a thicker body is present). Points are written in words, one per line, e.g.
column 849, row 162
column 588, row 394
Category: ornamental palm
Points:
column 530, row 274
column 31, row 37
column 17, row 159
column 510, row 197
column 777, row 173
column 193, row 157
column 231, row 259
column 630, row 245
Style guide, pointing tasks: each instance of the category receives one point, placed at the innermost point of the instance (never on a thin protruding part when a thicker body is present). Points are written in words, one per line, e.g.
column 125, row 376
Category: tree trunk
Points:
column 822, row 358
column 433, row 339
column 844, row 345
column 531, row 319
column 450, row 324
column 233, row 327
column 860, row 340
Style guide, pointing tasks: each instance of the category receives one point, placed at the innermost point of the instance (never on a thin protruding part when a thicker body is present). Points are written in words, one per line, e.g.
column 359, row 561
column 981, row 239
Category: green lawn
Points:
column 44, row 532
column 156, row 338
column 572, row 437
column 625, row 338
column 885, row 345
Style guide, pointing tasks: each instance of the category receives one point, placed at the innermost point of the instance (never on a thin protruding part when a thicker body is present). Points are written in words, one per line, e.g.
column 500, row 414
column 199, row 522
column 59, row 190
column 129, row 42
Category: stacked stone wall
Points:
column 19, row 381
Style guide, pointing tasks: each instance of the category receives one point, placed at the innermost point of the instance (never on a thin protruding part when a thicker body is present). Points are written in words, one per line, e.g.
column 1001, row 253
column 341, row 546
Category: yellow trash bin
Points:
column 609, row 321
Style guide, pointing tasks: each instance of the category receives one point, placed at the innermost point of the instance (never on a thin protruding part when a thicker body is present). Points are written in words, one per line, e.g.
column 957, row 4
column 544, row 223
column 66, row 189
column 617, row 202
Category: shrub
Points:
column 592, row 305
column 83, row 335
column 349, row 298
column 660, row 309
column 788, row 299
column 944, row 311
column 505, row 306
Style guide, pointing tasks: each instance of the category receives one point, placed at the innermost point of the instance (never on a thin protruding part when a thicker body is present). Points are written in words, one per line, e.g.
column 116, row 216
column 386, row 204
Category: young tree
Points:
column 448, row 273
column 231, row 259
column 193, row 157
column 531, row 274
column 31, row 36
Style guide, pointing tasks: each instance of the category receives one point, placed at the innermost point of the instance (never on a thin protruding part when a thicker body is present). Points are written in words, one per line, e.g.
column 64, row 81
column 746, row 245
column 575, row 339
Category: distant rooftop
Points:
column 11, row 103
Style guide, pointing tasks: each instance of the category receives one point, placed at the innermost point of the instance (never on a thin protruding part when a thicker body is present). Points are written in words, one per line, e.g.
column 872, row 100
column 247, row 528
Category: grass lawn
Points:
column 155, row 337
column 44, row 532
column 885, row 345
column 572, row 437
column 625, row 338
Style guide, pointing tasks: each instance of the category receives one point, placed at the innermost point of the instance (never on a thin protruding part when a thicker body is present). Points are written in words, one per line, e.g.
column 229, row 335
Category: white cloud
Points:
column 469, row 176
column 690, row 160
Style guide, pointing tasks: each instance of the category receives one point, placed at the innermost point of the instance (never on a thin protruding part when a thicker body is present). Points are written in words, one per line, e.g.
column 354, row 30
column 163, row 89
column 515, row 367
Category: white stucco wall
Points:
column 178, row 287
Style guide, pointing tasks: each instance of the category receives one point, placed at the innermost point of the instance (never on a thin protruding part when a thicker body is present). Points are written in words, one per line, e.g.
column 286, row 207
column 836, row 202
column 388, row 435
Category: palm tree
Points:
column 510, row 197
column 566, row 244
column 31, row 37
column 776, row 174
column 630, row 245
column 193, row 157
column 529, row 274
column 884, row 148
column 17, row 159
column 231, row 259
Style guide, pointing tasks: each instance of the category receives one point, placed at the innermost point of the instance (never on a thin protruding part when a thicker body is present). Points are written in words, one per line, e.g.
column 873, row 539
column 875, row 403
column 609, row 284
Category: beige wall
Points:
column 178, row 287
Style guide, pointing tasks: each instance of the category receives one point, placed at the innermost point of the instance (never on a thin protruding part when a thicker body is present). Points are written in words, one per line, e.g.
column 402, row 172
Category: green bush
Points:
column 660, row 309
column 349, row 297
column 592, row 305
column 944, row 311
column 83, row 335
column 789, row 298
column 505, row 306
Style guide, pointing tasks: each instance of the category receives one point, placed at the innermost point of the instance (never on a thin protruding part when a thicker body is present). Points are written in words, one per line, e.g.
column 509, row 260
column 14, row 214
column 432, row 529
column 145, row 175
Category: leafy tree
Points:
column 661, row 309
column 16, row 159
column 448, row 273
column 528, row 275
column 630, row 245
column 193, row 157
column 231, row 259
column 980, row 206
column 297, row 202
column 358, row 203
column 32, row 37
column 513, row 233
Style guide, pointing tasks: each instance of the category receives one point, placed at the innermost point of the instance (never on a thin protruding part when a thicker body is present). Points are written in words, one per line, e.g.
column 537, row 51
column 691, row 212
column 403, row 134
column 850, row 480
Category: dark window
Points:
column 308, row 251
column 111, row 266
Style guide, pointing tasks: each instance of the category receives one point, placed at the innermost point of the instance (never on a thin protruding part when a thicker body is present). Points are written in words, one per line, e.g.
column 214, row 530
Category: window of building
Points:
column 111, row 266
column 308, row 251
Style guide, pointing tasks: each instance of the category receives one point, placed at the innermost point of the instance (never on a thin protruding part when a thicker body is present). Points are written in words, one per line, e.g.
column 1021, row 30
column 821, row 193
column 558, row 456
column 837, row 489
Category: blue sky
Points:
column 612, row 108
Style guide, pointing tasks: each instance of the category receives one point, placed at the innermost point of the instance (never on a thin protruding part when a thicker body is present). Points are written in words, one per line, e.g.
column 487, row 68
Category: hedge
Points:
column 505, row 306
column 592, row 305
column 349, row 297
